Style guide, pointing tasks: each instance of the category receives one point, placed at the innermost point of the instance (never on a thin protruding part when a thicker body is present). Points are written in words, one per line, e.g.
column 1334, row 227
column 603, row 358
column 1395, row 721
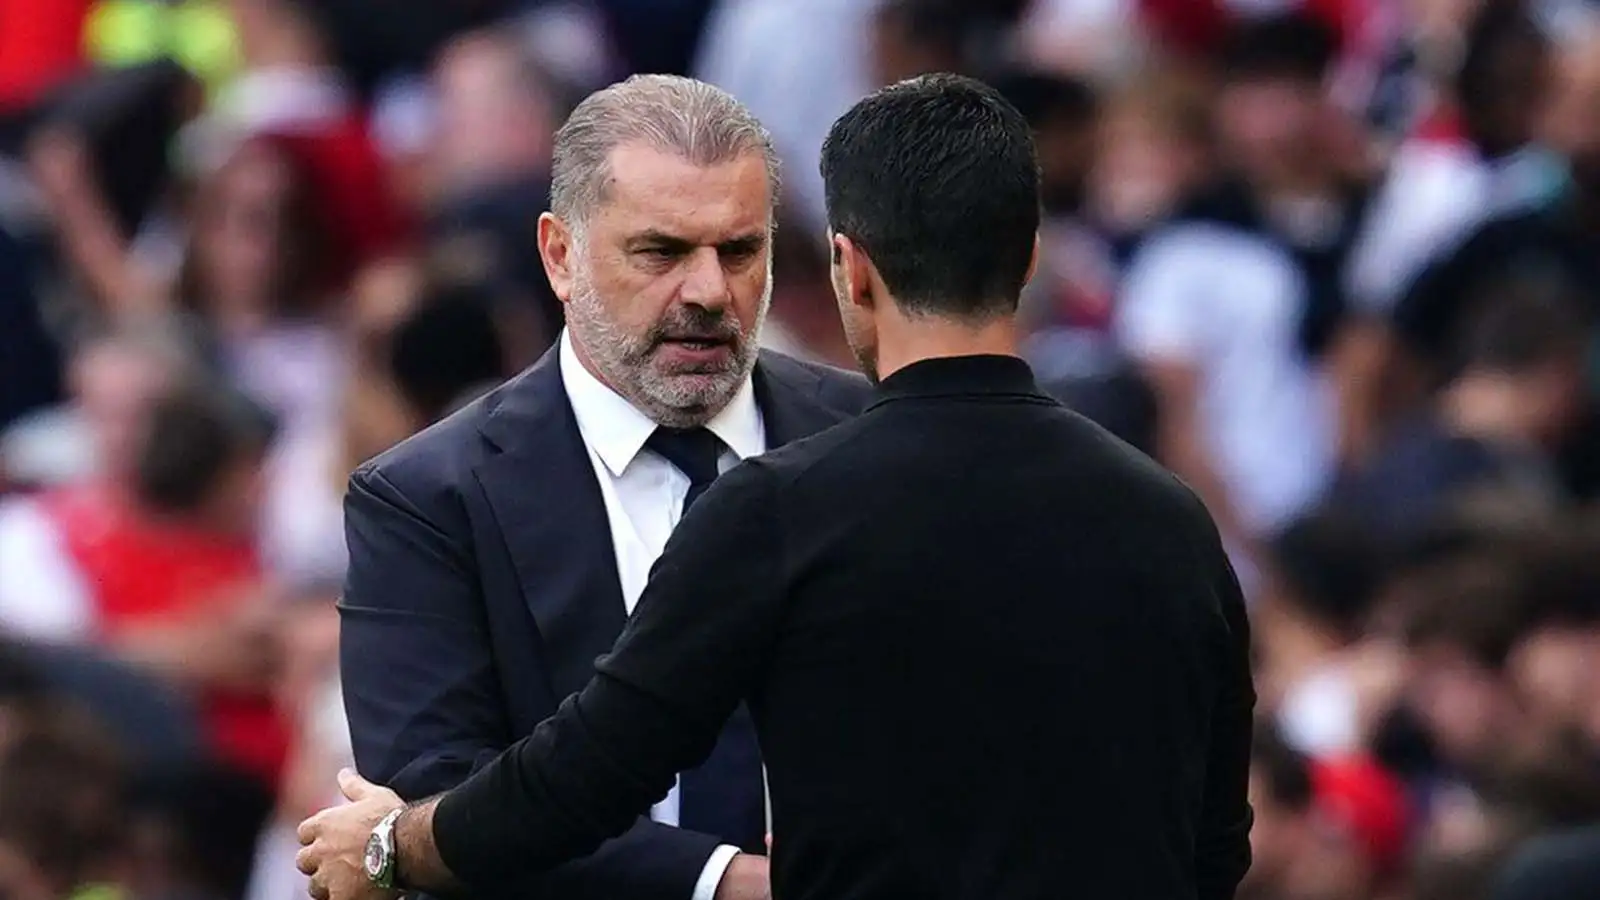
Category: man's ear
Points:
column 556, row 247
column 856, row 271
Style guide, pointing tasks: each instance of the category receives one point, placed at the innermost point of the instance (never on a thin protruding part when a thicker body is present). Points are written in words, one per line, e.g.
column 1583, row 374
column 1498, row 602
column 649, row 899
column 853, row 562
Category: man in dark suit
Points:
column 991, row 651
column 495, row 556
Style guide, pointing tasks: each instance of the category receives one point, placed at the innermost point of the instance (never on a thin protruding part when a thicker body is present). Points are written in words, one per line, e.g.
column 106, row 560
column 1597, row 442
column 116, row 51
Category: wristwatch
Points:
column 380, row 859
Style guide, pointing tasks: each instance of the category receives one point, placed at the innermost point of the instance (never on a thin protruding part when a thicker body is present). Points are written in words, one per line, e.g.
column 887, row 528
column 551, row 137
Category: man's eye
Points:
column 659, row 253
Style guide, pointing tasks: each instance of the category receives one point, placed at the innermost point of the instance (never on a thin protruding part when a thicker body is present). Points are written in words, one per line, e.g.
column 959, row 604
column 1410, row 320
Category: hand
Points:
column 59, row 161
column 334, row 841
column 746, row 878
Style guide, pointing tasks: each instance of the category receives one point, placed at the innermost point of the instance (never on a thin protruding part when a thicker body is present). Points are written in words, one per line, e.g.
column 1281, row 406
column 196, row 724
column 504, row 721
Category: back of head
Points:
column 446, row 347
column 194, row 437
column 1501, row 83
column 1522, row 323
column 60, row 791
column 937, row 180
column 1294, row 46
column 1328, row 567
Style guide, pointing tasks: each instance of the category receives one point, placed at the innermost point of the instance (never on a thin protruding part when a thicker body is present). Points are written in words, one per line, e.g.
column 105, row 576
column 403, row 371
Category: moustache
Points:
column 694, row 324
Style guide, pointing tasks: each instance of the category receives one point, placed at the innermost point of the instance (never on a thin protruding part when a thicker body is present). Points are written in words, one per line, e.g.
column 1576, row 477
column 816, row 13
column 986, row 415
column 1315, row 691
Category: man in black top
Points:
column 990, row 651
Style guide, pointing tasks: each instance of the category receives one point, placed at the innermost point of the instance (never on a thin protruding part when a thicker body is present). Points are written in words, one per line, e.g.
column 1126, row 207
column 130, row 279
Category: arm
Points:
column 1359, row 362
column 420, row 688
column 1222, row 845
column 1180, row 443
column 692, row 649
column 1162, row 319
column 425, row 704
column 85, row 227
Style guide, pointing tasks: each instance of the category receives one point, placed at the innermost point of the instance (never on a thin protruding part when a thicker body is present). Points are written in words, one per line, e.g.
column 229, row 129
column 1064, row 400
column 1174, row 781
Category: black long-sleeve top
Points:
column 990, row 651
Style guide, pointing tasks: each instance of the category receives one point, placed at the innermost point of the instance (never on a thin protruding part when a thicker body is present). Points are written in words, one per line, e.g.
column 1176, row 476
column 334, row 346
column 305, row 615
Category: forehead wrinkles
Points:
column 644, row 189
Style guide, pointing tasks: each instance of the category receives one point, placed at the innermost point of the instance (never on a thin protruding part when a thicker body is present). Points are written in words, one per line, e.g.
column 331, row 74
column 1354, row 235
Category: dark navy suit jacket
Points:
column 483, row 585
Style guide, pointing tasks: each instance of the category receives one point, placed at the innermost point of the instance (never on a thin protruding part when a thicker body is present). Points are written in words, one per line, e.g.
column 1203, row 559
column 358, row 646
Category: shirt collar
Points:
column 617, row 430
column 947, row 376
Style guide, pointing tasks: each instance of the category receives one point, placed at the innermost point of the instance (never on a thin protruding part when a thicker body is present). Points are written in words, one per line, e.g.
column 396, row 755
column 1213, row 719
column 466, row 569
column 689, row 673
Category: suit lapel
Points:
column 787, row 395
column 542, row 490
column 548, row 505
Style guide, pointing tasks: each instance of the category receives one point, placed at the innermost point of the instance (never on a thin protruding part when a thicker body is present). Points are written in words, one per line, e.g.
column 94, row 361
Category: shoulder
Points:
column 846, row 393
column 1139, row 483
column 436, row 460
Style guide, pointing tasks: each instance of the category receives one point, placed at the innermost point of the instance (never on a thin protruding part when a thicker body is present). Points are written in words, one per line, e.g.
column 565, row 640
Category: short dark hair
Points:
column 1332, row 568
column 1518, row 323
column 1291, row 45
column 1479, row 606
column 450, row 344
column 1048, row 99
column 1497, row 26
column 193, row 436
column 937, row 179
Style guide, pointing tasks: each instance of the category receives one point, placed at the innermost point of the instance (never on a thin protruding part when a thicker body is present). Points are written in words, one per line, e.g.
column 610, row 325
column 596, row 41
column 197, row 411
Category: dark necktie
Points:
column 694, row 451
column 724, row 796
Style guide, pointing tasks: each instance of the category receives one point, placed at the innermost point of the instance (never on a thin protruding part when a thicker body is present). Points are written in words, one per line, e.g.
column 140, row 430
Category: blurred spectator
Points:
column 1473, row 157
column 115, row 379
column 60, row 815
column 1353, row 241
column 40, row 47
column 489, row 165
column 766, row 52
column 1313, row 613
column 1516, row 398
column 1230, row 308
column 190, row 832
column 30, row 365
column 448, row 350
column 1553, row 868
column 160, row 567
column 1325, row 829
column 1280, row 795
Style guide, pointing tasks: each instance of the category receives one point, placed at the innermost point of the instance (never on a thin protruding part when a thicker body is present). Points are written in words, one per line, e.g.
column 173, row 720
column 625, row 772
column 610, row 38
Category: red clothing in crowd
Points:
column 142, row 574
column 1188, row 27
column 350, row 188
column 41, row 45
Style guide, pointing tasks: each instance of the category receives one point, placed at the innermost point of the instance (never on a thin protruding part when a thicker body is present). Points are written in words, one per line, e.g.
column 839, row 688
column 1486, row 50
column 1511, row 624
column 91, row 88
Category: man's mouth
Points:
column 697, row 353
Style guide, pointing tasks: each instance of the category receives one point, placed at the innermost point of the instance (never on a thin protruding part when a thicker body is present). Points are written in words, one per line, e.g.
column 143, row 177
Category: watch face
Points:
column 373, row 860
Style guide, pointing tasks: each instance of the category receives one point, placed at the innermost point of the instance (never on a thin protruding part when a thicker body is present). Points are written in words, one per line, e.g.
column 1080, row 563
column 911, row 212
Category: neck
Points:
column 909, row 340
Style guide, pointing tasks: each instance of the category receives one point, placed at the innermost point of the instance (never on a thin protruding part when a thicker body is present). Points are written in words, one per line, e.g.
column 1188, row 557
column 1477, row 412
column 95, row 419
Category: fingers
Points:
column 309, row 829
column 318, row 889
column 307, row 860
column 354, row 786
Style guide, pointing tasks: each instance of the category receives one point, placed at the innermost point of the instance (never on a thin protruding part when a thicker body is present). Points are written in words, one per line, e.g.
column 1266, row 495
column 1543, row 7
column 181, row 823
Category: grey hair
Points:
column 697, row 121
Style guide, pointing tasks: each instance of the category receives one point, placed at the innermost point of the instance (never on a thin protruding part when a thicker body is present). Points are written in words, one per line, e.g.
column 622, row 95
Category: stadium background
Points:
column 1336, row 262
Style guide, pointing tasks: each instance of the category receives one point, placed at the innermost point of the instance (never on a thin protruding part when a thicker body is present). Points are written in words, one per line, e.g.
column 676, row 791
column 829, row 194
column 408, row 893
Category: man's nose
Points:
column 705, row 282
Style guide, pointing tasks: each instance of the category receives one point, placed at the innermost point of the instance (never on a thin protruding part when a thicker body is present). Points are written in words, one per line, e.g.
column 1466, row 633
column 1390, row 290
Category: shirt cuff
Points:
column 711, row 875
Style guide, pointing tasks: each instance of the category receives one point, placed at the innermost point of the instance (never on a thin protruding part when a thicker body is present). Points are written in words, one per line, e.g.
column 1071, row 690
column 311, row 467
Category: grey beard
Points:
column 624, row 360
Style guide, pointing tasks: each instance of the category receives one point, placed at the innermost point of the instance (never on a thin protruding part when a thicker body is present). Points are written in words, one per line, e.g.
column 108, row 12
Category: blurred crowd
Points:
column 1335, row 262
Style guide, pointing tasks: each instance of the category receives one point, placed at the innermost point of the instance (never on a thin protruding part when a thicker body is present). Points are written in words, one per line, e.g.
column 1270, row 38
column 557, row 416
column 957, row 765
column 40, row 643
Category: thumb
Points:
column 353, row 786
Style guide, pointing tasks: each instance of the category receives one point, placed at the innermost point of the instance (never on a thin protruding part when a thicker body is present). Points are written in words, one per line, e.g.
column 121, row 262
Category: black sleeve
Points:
column 426, row 708
column 655, row 707
column 1222, row 847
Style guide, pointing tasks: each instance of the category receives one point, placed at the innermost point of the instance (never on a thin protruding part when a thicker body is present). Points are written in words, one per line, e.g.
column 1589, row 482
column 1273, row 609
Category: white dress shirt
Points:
column 644, row 497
